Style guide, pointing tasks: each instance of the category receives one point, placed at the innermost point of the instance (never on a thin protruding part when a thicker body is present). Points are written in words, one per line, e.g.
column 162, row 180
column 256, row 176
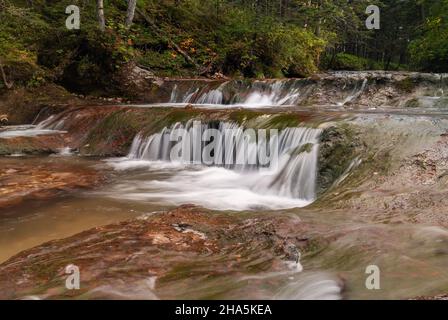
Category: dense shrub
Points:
column 430, row 51
column 345, row 61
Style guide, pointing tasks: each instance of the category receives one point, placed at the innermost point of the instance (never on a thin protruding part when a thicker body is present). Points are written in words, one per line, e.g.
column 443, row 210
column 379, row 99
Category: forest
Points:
column 235, row 38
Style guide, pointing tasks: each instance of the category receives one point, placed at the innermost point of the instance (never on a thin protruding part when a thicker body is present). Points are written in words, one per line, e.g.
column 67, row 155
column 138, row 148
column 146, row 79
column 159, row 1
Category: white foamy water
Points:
column 26, row 131
column 257, row 95
column 43, row 128
column 64, row 152
column 287, row 183
column 355, row 94
column 214, row 188
column 311, row 286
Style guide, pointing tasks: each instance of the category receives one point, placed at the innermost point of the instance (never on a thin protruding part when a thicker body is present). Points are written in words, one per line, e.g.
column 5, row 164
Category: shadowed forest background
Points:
column 236, row 38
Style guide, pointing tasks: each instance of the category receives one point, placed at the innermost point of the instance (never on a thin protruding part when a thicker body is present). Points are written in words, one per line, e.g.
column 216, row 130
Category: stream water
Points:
column 147, row 181
column 419, row 250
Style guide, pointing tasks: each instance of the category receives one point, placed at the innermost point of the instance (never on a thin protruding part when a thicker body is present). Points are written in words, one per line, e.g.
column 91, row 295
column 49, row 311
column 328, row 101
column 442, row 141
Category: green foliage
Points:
column 345, row 61
column 430, row 51
column 234, row 40
column 290, row 50
column 19, row 27
column 250, row 38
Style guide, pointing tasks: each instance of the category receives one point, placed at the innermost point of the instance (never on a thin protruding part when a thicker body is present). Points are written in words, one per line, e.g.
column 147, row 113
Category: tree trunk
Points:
column 5, row 81
column 100, row 10
column 130, row 13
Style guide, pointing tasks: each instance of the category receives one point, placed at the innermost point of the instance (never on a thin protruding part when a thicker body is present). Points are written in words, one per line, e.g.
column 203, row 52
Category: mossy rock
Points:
column 406, row 85
column 413, row 103
column 338, row 148
column 306, row 148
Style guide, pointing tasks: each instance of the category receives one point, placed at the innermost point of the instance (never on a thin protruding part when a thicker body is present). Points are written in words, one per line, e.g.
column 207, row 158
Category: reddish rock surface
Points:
column 22, row 180
column 43, row 144
column 184, row 246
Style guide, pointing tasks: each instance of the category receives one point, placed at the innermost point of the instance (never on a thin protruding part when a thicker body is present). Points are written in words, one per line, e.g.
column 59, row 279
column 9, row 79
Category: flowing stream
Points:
column 231, row 169
column 257, row 94
column 228, row 183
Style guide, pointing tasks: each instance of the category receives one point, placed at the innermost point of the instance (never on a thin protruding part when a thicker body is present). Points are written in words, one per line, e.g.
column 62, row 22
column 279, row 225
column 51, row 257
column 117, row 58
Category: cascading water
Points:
column 51, row 123
column 356, row 93
column 333, row 90
column 257, row 94
column 236, row 178
column 42, row 128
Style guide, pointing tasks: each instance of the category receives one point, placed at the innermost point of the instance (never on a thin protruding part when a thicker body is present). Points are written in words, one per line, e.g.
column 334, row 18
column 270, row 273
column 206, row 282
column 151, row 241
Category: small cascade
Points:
column 46, row 127
column 276, row 94
column 51, row 123
column 283, row 165
column 357, row 92
column 334, row 89
column 257, row 94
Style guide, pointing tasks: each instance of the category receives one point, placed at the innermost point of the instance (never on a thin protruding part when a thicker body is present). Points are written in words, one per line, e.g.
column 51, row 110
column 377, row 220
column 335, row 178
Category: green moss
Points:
column 306, row 148
column 406, row 85
column 26, row 146
column 339, row 146
column 179, row 116
column 243, row 116
column 413, row 103
column 342, row 145
column 282, row 121
column 114, row 134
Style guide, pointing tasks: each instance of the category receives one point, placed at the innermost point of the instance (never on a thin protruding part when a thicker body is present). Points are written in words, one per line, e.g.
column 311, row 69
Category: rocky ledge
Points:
column 139, row 258
column 21, row 180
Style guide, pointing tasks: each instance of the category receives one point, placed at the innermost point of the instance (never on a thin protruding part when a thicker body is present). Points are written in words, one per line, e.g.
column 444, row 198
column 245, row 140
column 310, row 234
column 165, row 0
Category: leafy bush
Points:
column 19, row 28
column 345, row 61
column 291, row 50
column 259, row 47
column 349, row 62
column 430, row 51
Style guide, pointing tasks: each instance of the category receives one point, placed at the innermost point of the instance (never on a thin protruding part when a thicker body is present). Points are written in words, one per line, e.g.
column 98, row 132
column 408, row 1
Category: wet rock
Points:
column 37, row 145
column 24, row 181
column 183, row 247
column 403, row 177
column 339, row 147
column 439, row 297
column 110, row 130
column 136, row 82
column 23, row 105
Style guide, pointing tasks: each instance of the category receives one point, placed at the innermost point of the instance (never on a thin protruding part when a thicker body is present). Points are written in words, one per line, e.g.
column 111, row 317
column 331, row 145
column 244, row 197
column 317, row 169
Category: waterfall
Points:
column 290, row 169
column 355, row 94
column 334, row 89
column 257, row 94
column 42, row 128
column 268, row 93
